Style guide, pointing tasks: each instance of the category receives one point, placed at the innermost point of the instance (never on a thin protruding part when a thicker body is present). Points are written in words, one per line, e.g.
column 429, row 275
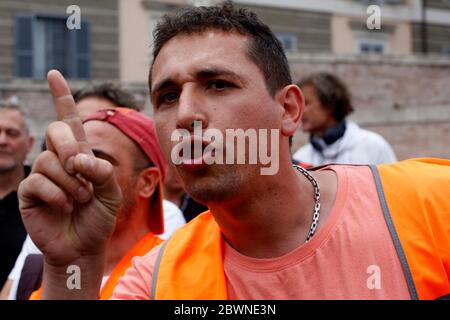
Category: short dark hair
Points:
column 110, row 92
column 264, row 49
column 332, row 93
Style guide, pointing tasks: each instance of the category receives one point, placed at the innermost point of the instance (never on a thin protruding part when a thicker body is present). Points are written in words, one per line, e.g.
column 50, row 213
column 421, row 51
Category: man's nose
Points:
column 191, row 108
column 3, row 137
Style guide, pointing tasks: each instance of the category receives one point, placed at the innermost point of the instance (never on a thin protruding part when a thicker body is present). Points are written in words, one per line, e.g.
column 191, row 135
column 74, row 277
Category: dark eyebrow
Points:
column 162, row 85
column 214, row 72
column 103, row 155
column 201, row 74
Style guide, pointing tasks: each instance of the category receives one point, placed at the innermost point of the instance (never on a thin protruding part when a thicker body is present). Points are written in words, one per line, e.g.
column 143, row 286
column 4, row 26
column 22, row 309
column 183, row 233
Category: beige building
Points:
column 34, row 37
column 397, row 90
column 306, row 26
column 114, row 41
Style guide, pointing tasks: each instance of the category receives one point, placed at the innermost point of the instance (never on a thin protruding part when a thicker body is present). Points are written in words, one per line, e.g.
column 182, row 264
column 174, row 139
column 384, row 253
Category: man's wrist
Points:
column 80, row 279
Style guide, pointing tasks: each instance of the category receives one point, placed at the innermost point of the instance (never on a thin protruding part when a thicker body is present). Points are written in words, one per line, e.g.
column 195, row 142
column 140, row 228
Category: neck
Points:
column 268, row 221
column 124, row 239
column 174, row 196
column 321, row 132
column 10, row 180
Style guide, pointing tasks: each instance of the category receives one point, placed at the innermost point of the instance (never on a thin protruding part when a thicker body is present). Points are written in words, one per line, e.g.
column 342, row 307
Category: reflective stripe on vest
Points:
column 417, row 199
column 393, row 232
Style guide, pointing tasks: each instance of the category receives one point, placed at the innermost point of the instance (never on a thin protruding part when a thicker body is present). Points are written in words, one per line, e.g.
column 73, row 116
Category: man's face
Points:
column 110, row 144
column 316, row 118
column 208, row 77
column 15, row 142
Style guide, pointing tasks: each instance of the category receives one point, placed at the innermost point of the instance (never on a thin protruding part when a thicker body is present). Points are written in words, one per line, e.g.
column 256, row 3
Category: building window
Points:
column 367, row 47
column 371, row 43
column 45, row 42
column 288, row 40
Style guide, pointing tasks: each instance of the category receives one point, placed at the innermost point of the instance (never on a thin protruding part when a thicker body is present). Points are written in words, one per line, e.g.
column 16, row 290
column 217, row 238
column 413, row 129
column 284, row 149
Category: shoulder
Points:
column 370, row 144
column 418, row 185
column 426, row 171
column 369, row 138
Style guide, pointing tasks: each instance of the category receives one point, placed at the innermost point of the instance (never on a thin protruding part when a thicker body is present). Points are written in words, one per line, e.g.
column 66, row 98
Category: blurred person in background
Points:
column 333, row 138
column 103, row 96
column 15, row 143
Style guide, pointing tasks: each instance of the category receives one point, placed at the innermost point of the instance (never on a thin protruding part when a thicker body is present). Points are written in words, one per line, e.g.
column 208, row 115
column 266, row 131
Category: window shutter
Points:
column 24, row 46
column 81, row 63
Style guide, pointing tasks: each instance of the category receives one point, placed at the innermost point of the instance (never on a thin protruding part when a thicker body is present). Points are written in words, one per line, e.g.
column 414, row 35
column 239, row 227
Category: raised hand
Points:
column 68, row 202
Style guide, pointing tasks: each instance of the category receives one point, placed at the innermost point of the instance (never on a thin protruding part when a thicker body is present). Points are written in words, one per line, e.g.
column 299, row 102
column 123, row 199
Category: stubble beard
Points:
column 6, row 168
column 127, row 207
column 216, row 183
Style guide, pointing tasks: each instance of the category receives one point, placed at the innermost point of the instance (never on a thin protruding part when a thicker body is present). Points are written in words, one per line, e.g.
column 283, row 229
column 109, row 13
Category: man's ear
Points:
column 30, row 143
column 291, row 100
column 148, row 181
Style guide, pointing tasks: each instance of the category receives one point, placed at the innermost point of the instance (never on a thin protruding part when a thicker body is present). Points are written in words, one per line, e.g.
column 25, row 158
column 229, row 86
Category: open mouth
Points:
column 193, row 152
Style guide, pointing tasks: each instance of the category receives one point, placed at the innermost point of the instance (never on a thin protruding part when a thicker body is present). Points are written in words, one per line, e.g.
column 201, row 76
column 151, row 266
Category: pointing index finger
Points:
column 66, row 109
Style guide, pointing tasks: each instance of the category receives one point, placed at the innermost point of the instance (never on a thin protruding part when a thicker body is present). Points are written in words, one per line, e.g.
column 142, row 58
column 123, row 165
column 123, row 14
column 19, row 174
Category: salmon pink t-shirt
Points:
column 352, row 256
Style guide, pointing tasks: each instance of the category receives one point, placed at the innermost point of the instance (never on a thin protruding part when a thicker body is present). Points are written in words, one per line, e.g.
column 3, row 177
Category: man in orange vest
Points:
column 127, row 139
column 335, row 232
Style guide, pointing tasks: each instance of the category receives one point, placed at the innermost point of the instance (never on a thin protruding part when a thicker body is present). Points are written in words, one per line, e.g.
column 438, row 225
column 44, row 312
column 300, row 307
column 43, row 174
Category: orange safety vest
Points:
column 414, row 196
column 142, row 247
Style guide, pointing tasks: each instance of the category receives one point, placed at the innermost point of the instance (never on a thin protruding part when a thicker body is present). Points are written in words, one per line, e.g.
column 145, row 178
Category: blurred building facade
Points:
column 398, row 74
column 35, row 37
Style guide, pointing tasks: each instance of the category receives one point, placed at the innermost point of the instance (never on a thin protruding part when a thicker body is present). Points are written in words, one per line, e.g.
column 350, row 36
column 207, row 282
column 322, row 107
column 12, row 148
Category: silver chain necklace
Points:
column 316, row 214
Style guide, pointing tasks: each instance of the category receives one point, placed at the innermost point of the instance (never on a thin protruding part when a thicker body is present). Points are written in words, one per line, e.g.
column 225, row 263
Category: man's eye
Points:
column 168, row 97
column 13, row 133
column 219, row 85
